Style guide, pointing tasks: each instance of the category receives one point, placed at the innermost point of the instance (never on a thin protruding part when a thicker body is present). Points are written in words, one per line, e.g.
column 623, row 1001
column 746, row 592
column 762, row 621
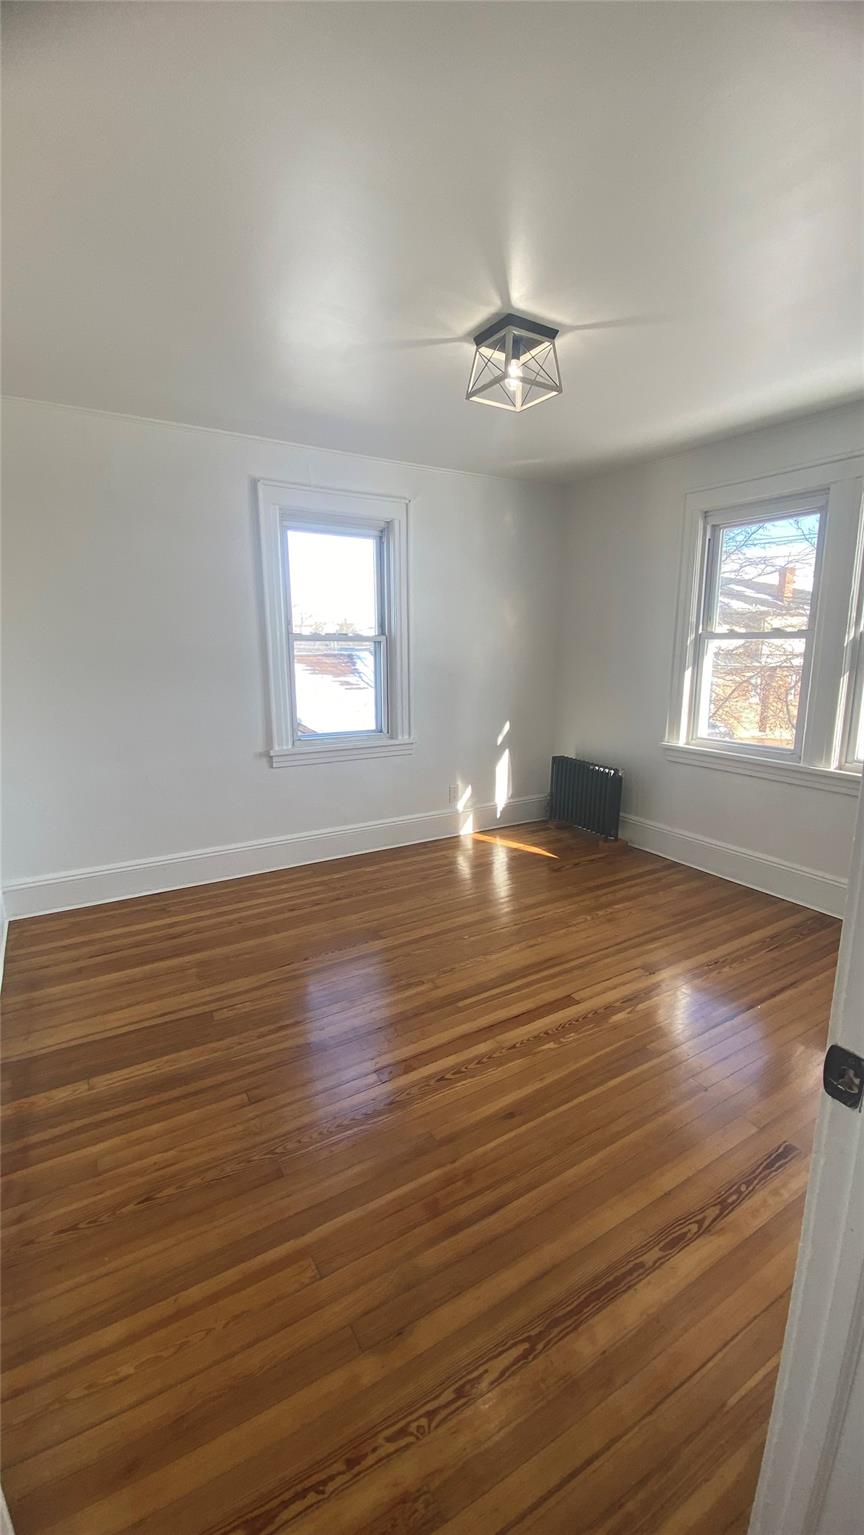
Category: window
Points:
column 766, row 677
column 852, row 741
column 338, row 648
column 855, row 751
column 759, row 580
column 335, row 582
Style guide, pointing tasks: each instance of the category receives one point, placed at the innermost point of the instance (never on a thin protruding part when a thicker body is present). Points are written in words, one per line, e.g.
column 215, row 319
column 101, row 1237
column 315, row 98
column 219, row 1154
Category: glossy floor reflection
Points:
column 446, row 1189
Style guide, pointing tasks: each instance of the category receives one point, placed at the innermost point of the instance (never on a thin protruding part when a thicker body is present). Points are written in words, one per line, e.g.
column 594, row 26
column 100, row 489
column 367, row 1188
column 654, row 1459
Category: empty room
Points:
column 432, row 728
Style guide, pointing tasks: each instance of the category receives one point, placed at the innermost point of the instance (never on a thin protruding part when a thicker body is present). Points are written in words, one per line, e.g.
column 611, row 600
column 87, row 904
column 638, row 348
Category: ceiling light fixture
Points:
column 515, row 364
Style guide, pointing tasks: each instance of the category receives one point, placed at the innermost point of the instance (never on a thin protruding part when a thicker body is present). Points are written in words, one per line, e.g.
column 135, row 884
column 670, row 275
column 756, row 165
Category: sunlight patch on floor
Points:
column 519, row 847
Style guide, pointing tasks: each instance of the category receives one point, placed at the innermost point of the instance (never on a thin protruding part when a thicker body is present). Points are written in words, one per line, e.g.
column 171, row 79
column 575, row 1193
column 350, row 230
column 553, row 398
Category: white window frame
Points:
column 714, row 524
column 824, row 721
column 282, row 507
column 853, row 670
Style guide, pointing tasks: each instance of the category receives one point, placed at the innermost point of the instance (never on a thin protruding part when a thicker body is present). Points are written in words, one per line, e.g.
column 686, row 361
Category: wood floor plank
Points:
column 454, row 1188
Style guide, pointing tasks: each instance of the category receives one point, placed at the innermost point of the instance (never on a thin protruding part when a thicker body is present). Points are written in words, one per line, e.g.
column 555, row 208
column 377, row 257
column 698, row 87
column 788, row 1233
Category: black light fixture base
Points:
column 542, row 332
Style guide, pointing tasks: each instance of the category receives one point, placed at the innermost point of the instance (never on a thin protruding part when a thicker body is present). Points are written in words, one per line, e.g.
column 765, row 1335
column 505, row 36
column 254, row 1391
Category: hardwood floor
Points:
column 451, row 1189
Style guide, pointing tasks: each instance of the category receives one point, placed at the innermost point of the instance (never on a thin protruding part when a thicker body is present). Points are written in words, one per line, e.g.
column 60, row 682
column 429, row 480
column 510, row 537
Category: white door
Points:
column 812, row 1480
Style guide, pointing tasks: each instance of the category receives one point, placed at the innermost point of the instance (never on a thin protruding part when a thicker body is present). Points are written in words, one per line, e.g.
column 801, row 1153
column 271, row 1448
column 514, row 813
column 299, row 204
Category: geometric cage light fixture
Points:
column 515, row 364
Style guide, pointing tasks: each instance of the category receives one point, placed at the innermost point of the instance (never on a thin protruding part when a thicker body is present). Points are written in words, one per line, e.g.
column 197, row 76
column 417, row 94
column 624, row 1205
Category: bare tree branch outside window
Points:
column 765, row 585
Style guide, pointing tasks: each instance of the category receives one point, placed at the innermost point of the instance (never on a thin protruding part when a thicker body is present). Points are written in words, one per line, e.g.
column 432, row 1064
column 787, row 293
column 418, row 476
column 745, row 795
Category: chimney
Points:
column 786, row 583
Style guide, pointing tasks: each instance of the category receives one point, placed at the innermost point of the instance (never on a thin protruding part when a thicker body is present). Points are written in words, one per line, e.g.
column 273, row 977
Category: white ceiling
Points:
column 285, row 219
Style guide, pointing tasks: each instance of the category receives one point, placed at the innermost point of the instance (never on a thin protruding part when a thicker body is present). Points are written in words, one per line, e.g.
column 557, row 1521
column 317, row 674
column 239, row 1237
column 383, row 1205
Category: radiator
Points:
column 585, row 794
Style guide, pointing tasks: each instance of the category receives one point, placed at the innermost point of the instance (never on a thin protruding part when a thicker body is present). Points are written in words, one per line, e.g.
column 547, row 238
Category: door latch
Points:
column 843, row 1076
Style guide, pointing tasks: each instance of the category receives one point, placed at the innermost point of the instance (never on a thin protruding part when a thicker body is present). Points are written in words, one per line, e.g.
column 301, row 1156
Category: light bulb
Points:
column 514, row 374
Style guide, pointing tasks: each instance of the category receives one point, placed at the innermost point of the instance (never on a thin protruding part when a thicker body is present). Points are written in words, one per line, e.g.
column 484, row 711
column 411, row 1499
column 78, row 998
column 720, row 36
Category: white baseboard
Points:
column 4, row 928
column 121, row 881
column 807, row 887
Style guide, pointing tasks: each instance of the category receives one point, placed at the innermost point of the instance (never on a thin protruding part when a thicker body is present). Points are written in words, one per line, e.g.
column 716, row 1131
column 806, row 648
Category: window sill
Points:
column 349, row 751
column 835, row 780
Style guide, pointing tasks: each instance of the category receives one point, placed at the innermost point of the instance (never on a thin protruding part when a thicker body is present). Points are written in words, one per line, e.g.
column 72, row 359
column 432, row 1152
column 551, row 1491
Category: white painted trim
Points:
column 341, row 751
column 835, row 780
column 807, row 887
column 4, row 929
column 851, row 700
column 676, row 447
column 147, row 876
column 800, row 479
column 825, row 1331
column 5, row 1517
column 558, row 483
column 283, row 505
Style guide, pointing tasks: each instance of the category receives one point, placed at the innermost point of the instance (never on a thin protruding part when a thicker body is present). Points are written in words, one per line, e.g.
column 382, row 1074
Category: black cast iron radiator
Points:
column 586, row 795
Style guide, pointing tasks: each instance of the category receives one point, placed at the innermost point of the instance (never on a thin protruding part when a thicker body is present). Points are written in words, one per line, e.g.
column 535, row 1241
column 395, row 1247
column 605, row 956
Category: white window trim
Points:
column 853, row 667
column 282, row 506
column 709, row 578
column 750, row 765
column 819, row 758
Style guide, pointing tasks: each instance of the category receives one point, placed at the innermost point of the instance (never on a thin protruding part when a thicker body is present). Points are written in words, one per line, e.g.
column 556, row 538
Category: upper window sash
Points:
column 715, row 525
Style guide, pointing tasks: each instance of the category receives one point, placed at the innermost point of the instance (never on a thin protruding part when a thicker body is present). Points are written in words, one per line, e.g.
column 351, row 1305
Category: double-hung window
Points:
column 769, row 648
column 852, row 732
column 854, row 753
column 759, row 593
column 336, row 593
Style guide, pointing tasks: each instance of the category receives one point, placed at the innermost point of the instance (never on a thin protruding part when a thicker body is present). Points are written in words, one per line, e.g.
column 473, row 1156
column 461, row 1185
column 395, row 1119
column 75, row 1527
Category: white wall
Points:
column 621, row 578
column 135, row 720
column 4, row 918
column 135, row 697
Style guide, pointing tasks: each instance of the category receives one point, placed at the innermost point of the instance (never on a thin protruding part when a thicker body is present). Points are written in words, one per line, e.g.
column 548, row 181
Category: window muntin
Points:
column 758, row 599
